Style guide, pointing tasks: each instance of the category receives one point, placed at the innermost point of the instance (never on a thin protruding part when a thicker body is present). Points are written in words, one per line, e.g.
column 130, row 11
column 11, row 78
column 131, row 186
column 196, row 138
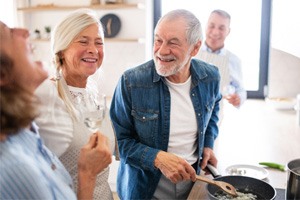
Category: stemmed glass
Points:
column 95, row 110
column 228, row 90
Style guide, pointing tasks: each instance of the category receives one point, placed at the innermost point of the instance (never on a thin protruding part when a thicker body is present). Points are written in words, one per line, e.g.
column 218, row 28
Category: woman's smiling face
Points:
column 84, row 55
column 26, row 72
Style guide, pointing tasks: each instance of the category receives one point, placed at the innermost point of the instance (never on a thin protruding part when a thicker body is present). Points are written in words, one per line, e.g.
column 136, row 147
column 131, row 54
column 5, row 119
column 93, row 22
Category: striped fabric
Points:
column 28, row 170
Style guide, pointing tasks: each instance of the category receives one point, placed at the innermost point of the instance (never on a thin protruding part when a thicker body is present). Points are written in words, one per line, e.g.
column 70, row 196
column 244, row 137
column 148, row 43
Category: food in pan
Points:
column 241, row 196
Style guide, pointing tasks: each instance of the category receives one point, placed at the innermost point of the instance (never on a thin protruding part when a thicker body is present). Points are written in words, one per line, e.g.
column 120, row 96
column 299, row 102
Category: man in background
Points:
column 217, row 29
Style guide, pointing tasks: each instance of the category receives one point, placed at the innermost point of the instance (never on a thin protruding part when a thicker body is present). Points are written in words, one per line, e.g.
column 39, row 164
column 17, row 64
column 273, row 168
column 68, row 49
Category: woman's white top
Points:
column 65, row 137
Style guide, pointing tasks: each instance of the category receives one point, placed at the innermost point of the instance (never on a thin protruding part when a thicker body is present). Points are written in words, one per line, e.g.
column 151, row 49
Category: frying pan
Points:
column 262, row 189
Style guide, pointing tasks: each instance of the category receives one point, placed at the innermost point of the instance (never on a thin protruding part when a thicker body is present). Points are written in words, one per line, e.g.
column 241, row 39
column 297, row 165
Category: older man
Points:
column 165, row 114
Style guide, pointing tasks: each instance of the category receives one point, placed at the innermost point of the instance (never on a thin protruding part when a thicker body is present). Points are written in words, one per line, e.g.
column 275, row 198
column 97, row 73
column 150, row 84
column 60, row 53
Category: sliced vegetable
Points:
column 273, row 165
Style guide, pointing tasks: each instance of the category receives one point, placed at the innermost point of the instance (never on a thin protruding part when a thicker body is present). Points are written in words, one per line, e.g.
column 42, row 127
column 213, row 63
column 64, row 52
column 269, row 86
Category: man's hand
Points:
column 174, row 168
column 234, row 99
column 208, row 157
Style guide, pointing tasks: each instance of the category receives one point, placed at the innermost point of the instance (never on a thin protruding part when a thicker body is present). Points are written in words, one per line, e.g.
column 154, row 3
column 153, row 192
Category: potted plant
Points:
column 48, row 31
column 37, row 34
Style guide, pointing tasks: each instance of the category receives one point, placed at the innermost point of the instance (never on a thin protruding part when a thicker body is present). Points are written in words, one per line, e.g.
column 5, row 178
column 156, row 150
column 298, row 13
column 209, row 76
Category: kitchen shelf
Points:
column 37, row 16
column 98, row 6
column 108, row 6
column 40, row 40
column 139, row 40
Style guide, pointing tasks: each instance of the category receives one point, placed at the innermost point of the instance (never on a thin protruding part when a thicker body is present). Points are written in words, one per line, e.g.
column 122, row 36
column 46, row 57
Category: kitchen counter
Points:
column 255, row 133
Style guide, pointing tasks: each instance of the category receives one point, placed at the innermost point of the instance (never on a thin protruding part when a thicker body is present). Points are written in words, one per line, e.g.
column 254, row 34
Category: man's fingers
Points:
column 192, row 173
column 203, row 163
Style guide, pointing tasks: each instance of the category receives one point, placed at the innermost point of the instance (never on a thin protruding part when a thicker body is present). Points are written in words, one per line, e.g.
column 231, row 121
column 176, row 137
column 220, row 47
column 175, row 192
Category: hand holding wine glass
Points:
column 228, row 90
column 95, row 111
column 229, row 93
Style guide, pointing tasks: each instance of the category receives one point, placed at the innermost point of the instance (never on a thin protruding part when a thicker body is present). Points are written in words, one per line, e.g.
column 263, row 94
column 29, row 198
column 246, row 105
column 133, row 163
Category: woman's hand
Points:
column 94, row 157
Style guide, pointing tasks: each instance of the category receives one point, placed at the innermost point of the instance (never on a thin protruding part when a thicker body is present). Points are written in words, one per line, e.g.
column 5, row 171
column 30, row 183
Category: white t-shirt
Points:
column 183, row 123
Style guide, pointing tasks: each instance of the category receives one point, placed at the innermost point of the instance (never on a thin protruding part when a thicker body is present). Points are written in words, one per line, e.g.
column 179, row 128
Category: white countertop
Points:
column 257, row 133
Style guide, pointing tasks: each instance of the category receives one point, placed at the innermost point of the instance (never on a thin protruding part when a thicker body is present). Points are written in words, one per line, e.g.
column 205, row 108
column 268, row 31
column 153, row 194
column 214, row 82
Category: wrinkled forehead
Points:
column 169, row 23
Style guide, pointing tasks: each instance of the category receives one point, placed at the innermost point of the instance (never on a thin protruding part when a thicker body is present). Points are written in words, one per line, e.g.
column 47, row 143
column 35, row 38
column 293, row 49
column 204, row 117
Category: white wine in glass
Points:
column 228, row 90
column 95, row 111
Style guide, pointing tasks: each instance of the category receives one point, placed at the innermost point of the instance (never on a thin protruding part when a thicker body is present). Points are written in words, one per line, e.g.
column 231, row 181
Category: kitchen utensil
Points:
column 293, row 180
column 226, row 187
column 243, row 184
column 247, row 170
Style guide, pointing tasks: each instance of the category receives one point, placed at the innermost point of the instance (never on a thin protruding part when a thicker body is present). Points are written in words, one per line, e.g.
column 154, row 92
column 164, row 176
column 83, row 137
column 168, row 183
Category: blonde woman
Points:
column 78, row 47
column 28, row 170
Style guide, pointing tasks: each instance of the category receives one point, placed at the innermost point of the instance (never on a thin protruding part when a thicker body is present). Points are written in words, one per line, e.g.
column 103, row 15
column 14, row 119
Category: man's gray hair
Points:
column 222, row 13
column 193, row 25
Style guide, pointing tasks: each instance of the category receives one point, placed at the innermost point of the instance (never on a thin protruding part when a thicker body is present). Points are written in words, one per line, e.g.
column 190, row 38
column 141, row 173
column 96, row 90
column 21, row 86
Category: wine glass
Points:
column 95, row 110
column 228, row 90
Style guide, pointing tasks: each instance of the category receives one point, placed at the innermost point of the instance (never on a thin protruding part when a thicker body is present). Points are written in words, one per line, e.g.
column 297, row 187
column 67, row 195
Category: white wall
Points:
column 285, row 26
column 284, row 74
column 284, row 64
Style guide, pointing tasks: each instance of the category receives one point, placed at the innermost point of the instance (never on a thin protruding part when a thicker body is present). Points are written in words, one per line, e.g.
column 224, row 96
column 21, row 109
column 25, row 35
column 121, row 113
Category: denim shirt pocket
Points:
column 146, row 123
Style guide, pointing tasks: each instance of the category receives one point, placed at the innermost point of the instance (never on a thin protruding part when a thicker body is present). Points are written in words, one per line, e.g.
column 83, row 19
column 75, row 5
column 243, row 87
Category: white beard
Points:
column 174, row 69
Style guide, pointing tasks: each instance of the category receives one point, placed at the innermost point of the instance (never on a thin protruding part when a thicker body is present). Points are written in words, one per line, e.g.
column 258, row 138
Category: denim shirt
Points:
column 140, row 113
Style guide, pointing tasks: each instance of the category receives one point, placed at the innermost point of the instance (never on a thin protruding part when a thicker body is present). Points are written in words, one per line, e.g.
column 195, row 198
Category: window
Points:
column 249, row 36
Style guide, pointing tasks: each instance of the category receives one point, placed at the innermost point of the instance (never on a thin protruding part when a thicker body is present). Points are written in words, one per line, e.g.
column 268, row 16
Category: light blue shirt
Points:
column 235, row 70
column 28, row 170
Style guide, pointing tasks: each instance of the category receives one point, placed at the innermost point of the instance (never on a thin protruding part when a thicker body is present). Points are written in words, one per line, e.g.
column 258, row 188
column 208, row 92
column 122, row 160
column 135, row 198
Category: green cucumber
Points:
column 273, row 165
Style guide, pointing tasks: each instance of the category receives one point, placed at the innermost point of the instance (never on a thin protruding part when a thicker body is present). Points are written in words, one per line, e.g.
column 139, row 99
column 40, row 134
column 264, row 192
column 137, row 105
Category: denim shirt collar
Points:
column 156, row 76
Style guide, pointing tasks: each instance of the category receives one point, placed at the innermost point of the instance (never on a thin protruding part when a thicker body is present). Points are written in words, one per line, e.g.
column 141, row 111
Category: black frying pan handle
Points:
column 214, row 172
